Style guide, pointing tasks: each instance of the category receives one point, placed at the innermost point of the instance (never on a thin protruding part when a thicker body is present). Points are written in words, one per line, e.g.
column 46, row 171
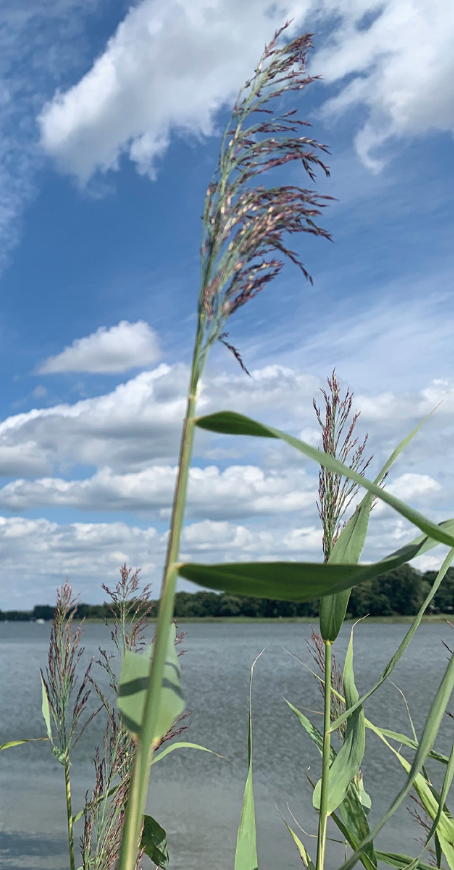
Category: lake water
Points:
column 196, row 796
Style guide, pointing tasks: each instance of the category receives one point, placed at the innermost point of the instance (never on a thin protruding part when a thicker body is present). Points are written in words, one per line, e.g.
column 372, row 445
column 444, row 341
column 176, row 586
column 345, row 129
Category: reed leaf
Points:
column 401, row 862
column 231, row 423
column 416, row 622
column 428, row 736
column 298, row 581
column 354, row 826
column 154, row 842
column 11, row 743
column 303, row 853
column 349, row 546
column 133, row 686
column 348, row 760
column 246, row 845
column 183, row 745
column 405, row 741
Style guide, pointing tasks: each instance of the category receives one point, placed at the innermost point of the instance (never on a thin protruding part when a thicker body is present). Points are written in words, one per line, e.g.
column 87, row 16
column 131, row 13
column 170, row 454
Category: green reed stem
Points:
column 72, row 860
column 323, row 817
column 146, row 742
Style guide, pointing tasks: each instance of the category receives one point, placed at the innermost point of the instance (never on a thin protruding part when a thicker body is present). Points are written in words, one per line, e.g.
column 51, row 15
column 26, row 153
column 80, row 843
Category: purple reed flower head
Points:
column 244, row 224
column 335, row 493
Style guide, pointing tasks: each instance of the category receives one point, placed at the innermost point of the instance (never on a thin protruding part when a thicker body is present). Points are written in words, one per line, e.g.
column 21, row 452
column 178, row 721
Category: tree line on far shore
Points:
column 397, row 593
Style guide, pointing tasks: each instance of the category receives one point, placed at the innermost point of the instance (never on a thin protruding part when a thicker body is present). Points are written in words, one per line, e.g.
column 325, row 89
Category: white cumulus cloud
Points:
column 122, row 347
column 171, row 65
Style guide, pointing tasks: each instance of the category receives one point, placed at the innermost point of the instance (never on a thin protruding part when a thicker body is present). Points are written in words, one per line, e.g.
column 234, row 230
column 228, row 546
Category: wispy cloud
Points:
column 37, row 52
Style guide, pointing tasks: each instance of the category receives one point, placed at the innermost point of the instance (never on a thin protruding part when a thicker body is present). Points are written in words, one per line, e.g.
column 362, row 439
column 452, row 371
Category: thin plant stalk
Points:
column 335, row 496
column 323, row 817
column 242, row 225
column 139, row 782
column 69, row 814
column 64, row 701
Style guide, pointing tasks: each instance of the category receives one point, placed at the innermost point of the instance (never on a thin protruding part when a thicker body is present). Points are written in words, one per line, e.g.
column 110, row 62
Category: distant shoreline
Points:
column 304, row 620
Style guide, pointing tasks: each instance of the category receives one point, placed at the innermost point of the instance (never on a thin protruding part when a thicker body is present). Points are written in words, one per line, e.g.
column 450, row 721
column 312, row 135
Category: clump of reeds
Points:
column 65, row 697
column 130, row 606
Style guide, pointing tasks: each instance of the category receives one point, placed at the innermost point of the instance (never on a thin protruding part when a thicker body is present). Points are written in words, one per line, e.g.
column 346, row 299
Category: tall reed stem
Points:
column 323, row 817
column 140, row 777
column 72, row 861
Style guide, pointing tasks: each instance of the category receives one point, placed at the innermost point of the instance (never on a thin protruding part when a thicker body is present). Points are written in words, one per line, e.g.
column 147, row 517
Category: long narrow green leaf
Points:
column 246, row 845
column 401, row 862
column 429, row 734
column 133, row 687
column 434, row 804
column 403, row 645
column 303, row 853
column 348, row 760
column 349, row 546
column 46, row 709
column 11, row 743
column 297, row 581
column 230, row 423
column 311, row 729
column 406, row 741
column 355, row 826
column 183, row 745
column 447, row 781
column 355, row 820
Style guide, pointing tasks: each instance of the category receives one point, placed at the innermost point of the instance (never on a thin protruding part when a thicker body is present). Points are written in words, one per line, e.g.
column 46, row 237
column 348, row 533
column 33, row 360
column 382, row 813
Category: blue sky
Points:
column 110, row 127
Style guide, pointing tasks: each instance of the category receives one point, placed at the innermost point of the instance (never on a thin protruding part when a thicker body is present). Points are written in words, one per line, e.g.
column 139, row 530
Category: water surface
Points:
column 197, row 796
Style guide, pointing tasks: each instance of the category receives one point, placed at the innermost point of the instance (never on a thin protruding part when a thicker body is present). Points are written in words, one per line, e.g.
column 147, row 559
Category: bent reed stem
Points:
column 139, row 783
column 323, row 817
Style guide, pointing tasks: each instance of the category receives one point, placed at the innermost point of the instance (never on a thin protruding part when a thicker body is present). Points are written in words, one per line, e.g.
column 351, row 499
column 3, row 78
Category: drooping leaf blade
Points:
column 231, row 423
column 297, row 581
column 133, row 685
column 11, row 743
column 183, row 745
column 154, row 842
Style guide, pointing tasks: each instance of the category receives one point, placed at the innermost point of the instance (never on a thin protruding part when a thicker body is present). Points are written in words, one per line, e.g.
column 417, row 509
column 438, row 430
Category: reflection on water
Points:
column 194, row 795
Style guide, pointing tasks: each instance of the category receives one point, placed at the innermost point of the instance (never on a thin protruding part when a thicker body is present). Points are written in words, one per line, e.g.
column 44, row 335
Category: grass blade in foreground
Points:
column 231, row 423
column 133, row 685
column 246, row 845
